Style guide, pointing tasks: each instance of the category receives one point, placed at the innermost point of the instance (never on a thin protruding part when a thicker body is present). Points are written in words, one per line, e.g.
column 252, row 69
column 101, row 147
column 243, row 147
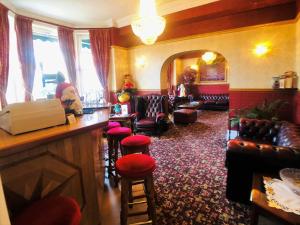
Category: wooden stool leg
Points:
column 110, row 155
column 254, row 216
column 150, row 198
column 116, row 153
column 130, row 196
column 124, row 201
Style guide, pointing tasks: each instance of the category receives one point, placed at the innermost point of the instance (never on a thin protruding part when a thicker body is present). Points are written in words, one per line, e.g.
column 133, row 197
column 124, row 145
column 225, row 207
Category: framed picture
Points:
column 213, row 72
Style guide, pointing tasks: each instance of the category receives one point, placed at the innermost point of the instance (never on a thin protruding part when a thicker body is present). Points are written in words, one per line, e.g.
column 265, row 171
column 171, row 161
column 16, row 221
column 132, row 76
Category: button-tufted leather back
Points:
column 153, row 105
column 214, row 97
column 264, row 130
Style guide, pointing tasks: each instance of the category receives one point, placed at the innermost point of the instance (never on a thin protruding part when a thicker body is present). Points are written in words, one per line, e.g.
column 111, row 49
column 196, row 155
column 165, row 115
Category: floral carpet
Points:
column 190, row 179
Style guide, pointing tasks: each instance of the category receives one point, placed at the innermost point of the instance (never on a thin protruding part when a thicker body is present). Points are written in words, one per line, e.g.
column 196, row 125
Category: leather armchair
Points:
column 151, row 113
column 262, row 147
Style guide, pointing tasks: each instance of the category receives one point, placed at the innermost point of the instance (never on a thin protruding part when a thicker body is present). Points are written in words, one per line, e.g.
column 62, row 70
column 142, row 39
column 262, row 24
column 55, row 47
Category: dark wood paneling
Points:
column 217, row 17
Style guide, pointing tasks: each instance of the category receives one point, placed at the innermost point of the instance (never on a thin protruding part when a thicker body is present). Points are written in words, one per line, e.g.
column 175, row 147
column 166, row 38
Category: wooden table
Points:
column 190, row 105
column 260, row 205
column 65, row 160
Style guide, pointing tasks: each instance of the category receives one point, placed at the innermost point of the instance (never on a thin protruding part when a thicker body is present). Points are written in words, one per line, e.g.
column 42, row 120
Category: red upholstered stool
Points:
column 134, row 167
column 136, row 144
column 57, row 210
column 114, row 137
column 112, row 124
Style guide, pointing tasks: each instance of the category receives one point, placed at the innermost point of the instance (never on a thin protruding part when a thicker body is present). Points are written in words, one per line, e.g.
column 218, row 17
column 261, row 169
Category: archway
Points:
column 212, row 76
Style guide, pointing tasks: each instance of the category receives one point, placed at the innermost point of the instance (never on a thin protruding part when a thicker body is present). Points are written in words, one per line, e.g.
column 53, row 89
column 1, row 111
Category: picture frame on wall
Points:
column 213, row 73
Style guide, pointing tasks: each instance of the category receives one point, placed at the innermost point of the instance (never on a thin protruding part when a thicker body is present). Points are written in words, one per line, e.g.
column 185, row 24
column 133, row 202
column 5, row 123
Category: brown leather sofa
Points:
column 214, row 101
column 262, row 146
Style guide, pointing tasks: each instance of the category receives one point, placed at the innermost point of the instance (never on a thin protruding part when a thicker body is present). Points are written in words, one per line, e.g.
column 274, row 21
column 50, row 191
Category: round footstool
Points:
column 185, row 116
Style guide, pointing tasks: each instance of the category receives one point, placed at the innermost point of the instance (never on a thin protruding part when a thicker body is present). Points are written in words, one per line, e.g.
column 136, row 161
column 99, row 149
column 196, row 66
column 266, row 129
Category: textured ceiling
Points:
column 95, row 13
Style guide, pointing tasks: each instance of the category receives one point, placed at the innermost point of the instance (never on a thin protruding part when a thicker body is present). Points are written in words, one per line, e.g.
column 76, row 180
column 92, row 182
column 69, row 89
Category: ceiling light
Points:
column 209, row 57
column 148, row 26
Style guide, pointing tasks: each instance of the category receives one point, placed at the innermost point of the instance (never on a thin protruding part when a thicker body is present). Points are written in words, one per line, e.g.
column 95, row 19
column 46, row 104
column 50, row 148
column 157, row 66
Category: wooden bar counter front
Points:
column 62, row 160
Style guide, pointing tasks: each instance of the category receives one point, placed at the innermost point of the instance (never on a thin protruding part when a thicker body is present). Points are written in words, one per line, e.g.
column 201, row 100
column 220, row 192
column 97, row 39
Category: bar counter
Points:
column 62, row 160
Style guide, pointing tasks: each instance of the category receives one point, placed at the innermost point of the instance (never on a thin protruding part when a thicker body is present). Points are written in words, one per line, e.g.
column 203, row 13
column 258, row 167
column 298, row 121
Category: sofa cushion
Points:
column 222, row 102
column 209, row 102
column 146, row 123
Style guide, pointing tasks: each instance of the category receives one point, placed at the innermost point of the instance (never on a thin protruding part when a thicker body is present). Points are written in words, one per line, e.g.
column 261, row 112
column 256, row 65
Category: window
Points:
column 49, row 60
column 15, row 87
column 89, row 84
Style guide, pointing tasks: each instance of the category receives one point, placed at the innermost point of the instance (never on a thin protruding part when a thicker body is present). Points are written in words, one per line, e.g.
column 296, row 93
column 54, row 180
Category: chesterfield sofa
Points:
column 214, row 101
column 262, row 146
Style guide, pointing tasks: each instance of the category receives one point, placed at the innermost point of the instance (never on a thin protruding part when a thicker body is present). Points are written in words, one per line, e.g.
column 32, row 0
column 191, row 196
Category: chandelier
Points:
column 209, row 57
column 148, row 26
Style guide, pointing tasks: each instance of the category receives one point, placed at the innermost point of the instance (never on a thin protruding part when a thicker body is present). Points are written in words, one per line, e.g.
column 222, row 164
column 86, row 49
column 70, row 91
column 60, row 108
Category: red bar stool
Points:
column 111, row 124
column 114, row 137
column 57, row 210
column 134, row 167
column 135, row 144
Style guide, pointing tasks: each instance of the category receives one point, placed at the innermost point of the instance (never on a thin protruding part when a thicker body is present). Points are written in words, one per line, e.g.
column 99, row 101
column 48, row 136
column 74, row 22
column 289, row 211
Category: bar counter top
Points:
column 11, row 144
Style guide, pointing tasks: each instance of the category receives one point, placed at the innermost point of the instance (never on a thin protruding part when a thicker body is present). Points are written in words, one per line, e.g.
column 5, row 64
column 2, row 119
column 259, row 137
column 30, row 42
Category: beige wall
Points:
column 119, row 67
column 245, row 69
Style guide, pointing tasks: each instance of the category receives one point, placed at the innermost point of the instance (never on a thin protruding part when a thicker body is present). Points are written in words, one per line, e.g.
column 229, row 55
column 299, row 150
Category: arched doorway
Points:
column 211, row 72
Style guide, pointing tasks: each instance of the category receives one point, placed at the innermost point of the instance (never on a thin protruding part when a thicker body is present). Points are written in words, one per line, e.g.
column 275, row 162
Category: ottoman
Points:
column 185, row 116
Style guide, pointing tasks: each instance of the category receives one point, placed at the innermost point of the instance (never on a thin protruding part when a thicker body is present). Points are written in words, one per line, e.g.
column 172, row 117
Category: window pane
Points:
column 90, row 86
column 15, row 88
column 49, row 61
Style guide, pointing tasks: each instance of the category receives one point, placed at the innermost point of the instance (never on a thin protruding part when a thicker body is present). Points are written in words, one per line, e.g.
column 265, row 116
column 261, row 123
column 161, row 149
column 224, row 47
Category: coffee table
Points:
column 190, row 105
column 260, row 204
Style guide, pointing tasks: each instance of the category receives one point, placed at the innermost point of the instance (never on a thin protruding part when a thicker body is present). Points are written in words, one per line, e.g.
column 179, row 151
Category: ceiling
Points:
column 93, row 13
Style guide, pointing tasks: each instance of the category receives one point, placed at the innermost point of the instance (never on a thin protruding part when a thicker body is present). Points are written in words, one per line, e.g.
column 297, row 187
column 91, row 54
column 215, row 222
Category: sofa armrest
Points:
column 160, row 116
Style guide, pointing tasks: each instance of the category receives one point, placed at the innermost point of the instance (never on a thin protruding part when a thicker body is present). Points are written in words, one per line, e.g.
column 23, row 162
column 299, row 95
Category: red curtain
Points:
column 66, row 43
column 23, row 27
column 170, row 72
column 4, row 53
column 100, row 46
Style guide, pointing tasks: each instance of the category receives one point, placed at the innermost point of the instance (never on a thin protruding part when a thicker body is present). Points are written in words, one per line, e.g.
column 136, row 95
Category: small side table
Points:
column 260, row 205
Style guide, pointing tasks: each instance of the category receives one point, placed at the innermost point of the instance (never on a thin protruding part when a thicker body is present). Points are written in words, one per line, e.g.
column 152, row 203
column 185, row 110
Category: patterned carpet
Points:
column 190, row 178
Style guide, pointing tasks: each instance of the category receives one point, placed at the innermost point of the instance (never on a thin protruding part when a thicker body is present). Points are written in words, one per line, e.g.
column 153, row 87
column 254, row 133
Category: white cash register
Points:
column 29, row 116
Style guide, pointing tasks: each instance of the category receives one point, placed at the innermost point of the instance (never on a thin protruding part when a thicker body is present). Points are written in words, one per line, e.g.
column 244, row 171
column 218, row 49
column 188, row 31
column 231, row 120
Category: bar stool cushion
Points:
column 119, row 131
column 136, row 141
column 135, row 166
column 113, row 124
column 56, row 210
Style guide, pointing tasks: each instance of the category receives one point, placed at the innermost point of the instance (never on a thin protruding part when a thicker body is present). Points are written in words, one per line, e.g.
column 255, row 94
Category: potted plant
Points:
column 267, row 110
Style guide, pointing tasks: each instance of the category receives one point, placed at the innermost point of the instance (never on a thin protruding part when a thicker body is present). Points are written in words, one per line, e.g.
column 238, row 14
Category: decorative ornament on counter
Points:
column 286, row 81
column 275, row 82
column 71, row 101
column 117, row 108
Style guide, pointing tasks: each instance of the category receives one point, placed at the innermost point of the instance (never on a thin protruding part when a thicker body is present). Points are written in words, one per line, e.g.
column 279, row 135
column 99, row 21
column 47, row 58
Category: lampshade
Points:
column 148, row 26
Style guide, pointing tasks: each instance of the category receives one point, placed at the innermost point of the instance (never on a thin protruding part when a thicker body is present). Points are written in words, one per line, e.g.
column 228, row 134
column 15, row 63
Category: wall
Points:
column 118, row 68
column 250, row 77
column 244, row 68
column 297, row 65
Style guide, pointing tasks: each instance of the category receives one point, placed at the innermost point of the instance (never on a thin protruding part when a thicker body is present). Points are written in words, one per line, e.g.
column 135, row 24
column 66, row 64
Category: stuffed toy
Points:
column 71, row 100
